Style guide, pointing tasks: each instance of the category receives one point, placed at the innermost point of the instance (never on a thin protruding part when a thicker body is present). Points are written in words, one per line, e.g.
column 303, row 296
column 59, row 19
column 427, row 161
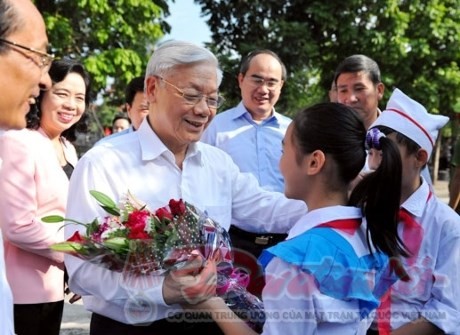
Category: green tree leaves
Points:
column 113, row 38
column 416, row 43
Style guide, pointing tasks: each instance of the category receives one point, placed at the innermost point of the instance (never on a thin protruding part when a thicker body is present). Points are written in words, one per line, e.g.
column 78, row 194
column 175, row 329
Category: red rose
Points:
column 136, row 234
column 164, row 213
column 177, row 207
column 138, row 219
column 75, row 237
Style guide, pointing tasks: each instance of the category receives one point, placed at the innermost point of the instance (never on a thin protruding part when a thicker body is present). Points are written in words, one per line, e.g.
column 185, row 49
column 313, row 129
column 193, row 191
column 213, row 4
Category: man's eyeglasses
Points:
column 193, row 99
column 272, row 84
column 45, row 59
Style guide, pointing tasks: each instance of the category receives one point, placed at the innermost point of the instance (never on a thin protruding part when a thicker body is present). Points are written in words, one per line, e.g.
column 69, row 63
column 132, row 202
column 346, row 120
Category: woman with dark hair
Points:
column 331, row 271
column 37, row 163
column 59, row 73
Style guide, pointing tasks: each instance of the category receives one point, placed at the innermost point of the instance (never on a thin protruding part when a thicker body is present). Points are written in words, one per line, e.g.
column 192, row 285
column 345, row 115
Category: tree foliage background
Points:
column 416, row 43
column 112, row 38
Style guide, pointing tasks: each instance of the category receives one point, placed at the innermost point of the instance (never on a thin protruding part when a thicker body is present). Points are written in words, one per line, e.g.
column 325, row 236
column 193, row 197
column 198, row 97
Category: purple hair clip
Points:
column 373, row 137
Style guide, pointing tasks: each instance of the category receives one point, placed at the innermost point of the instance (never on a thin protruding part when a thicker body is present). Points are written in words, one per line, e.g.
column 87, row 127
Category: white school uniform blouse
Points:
column 293, row 301
column 141, row 163
column 434, row 289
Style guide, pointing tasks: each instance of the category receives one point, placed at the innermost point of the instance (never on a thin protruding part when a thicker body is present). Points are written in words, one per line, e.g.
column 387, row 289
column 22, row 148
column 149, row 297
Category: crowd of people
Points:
column 334, row 207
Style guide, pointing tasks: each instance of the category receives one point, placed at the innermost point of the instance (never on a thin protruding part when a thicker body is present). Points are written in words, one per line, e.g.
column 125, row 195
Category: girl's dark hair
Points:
column 379, row 195
column 58, row 72
column 339, row 133
column 411, row 146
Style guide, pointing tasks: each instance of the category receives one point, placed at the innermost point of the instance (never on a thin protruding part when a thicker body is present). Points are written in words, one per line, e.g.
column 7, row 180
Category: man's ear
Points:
column 315, row 162
column 422, row 157
column 151, row 84
column 240, row 79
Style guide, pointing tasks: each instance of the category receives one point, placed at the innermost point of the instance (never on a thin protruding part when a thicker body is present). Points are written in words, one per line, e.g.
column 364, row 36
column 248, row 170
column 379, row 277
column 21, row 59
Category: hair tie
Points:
column 373, row 137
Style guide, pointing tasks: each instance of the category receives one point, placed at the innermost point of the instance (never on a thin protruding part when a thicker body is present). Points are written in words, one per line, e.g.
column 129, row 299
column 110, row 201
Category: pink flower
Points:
column 102, row 228
column 177, row 207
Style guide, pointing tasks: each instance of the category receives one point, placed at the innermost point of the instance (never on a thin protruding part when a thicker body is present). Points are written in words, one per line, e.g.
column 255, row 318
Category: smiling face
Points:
column 174, row 120
column 20, row 74
column 63, row 105
column 258, row 99
column 356, row 89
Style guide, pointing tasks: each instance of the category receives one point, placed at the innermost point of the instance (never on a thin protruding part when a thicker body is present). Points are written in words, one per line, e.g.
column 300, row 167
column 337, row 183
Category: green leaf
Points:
column 92, row 227
column 106, row 202
column 111, row 210
column 68, row 247
column 53, row 219
column 117, row 243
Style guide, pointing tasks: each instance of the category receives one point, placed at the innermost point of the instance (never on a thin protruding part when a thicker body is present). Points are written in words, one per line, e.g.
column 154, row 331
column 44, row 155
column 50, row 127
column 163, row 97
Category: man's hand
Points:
column 192, row 283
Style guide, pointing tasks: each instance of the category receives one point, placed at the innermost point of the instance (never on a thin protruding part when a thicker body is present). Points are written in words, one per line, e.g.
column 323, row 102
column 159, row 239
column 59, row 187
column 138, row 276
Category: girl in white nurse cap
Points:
column 429, row 228
column 411, row 119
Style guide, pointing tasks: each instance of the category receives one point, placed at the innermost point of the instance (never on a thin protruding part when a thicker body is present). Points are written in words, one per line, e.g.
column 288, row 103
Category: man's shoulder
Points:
column 213, row 153
column 113, row 136
column 283, row 119
column 227, row 115
column 113, row 146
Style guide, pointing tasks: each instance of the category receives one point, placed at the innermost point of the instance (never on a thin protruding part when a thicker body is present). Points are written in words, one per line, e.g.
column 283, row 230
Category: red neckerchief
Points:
column 412, row 238
column 348, row 226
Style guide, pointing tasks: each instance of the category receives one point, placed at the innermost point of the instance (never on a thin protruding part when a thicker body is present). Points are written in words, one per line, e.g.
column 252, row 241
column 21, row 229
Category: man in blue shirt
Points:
column 251, row 133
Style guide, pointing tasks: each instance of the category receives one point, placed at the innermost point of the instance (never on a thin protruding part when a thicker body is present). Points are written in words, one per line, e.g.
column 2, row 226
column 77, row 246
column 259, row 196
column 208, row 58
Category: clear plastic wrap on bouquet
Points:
column 140, row 243
column 231, row 286
column 134, row 239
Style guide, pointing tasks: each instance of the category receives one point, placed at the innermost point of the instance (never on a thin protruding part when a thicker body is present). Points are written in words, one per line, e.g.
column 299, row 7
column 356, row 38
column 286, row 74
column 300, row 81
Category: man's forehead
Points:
column 33, row 29
column 353, row 78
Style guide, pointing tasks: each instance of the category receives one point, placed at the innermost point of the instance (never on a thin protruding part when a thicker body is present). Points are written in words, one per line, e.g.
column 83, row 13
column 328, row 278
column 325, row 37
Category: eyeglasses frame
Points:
column 219, row 100
column 264, row 82
column 45, row 58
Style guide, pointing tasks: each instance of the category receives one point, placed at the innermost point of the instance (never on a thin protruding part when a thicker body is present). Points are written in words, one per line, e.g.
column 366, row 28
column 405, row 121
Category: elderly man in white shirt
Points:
column 164, row 159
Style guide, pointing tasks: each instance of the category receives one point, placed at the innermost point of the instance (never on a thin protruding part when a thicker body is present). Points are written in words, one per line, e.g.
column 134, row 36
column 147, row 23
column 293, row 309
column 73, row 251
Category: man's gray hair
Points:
column 10, row 20
column 174, row 53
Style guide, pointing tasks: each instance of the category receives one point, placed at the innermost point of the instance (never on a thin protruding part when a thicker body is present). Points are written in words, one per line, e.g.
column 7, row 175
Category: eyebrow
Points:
column 260, row 77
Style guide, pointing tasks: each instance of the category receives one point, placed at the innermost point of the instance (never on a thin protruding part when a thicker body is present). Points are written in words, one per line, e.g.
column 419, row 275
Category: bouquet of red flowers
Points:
column 142, row 241
column 137, row 241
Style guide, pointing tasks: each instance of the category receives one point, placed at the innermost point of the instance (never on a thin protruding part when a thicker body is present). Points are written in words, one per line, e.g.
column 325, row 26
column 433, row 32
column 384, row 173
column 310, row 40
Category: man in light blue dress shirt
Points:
column 251, row 133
